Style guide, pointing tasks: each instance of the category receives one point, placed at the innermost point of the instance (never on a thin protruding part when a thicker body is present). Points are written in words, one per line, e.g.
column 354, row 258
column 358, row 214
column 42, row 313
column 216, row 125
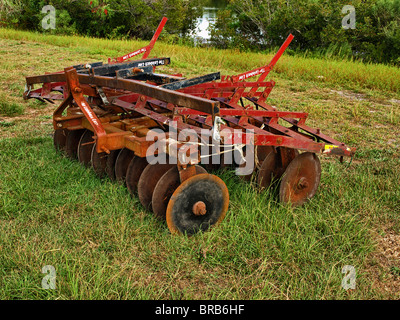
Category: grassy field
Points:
column 102, row 243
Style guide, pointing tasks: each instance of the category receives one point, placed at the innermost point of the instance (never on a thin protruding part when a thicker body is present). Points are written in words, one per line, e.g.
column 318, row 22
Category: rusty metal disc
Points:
column 164, row 189
column 148, row 181
column 99, row 162
column 261, row 152
column 85, row 147
column 60, row 139
column 199, row 203
column 135, row 169
column 72, row 142
column 272, row 169
column 121, row 164
column 301, row 179
column 110, row 165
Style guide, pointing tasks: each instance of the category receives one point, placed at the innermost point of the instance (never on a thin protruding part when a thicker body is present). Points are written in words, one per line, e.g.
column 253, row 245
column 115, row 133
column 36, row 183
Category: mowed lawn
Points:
column 104, row 245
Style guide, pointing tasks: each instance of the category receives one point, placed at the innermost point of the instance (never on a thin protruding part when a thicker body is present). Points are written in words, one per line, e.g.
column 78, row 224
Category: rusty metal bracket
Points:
column 102, row 96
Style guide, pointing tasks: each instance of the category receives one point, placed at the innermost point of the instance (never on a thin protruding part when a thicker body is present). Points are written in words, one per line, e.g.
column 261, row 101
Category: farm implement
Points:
column 160, row 134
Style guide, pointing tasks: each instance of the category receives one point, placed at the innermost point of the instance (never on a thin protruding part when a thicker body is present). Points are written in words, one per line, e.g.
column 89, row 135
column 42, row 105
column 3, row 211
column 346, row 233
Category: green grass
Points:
column 104, row 245
column 346, row 74
column 10, row 108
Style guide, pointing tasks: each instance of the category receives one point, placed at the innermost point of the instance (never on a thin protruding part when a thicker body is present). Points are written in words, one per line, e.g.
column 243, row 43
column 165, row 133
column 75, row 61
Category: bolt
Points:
column 302, row 184
column 199, row 208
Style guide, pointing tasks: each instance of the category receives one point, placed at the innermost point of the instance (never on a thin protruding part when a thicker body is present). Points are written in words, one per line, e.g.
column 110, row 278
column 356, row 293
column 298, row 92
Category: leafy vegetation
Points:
column 108, row 19
column 316, row 25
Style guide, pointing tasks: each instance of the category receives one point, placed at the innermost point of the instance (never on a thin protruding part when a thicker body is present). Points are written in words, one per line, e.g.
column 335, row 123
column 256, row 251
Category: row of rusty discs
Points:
column 196, row 204
column 202, row 200
column 295, row 176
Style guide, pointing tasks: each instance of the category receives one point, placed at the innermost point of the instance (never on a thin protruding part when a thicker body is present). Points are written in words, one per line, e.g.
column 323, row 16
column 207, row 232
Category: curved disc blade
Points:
column 261, row 152
column 121, row 164
column 60, row 139
column 199, row 203
column 135, row 169
column 164, row 189
column 72, row 142
column 99, row 162
column 110, row 165
column 148, row 181
column 85, row 147
column 271, row 169
column 301, row 179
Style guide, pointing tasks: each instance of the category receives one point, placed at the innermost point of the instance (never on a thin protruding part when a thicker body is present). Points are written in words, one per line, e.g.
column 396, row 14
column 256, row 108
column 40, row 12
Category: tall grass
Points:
column 325, row 71
column 105, row 246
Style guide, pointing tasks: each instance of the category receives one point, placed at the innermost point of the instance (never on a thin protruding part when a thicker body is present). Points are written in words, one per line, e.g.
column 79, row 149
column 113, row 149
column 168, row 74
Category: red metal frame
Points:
column 194, row 107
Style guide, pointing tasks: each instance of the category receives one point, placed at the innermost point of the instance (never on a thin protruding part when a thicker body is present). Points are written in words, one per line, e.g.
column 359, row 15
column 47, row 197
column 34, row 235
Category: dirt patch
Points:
column 395, row 101
column 350, row 95
column 384, row 265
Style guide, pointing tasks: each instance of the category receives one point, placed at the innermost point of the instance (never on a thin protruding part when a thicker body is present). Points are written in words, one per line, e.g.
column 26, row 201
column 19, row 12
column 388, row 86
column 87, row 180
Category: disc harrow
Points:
column 160, row 134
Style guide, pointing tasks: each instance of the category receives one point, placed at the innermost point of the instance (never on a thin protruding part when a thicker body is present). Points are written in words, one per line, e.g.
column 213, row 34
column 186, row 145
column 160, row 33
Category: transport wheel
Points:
column 301, row 179
column 110, row 165
column 60, row 139
column 148, row 181
column 121, row 164
column 99, row 162
column 72, row 142
column 271, row 169
column 164, row 189
column 199, row 203
column 85, row 147
column 135, row 169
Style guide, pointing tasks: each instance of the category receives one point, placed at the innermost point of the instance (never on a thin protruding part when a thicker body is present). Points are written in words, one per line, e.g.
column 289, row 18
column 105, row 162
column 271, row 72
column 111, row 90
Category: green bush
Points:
column 104, row 18
column 316, row 25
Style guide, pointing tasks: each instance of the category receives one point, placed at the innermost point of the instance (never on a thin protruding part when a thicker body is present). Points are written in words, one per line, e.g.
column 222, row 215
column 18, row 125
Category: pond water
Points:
column 208, row 18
